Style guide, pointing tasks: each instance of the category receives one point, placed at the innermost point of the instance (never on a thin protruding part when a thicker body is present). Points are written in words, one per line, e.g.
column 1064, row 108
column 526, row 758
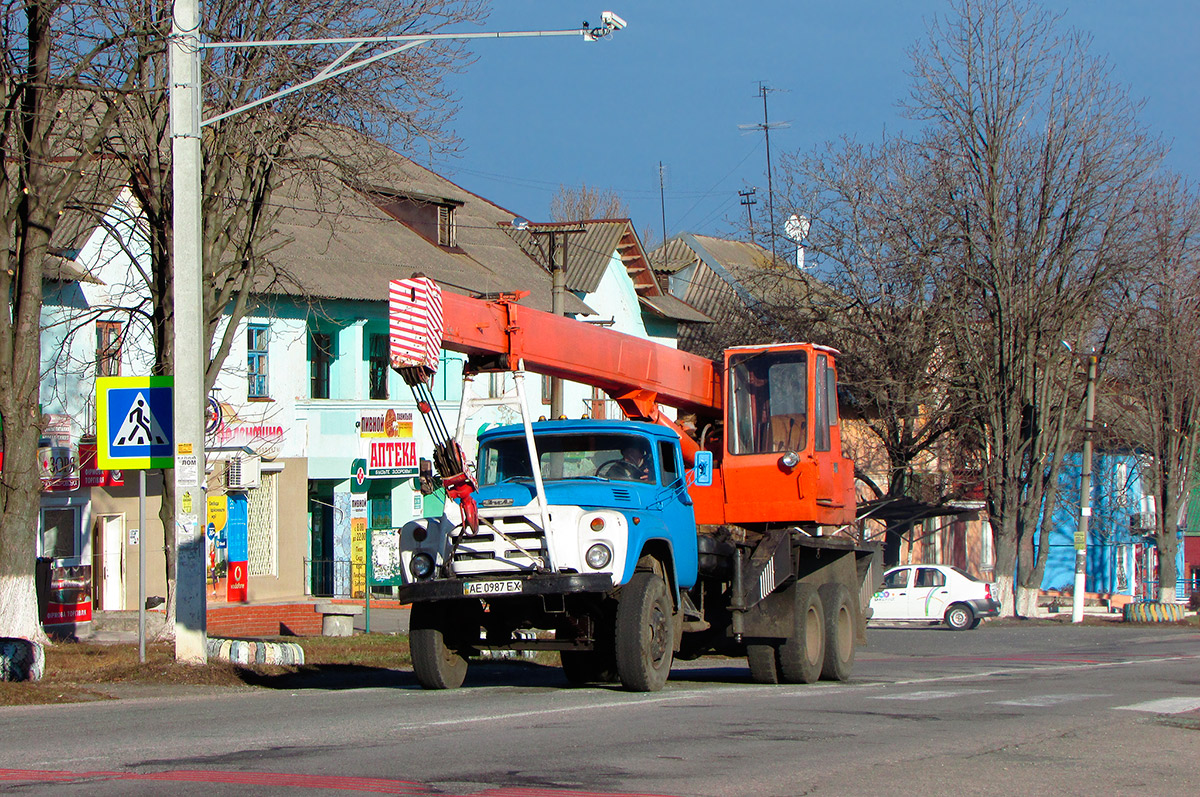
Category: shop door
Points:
column 111, row 537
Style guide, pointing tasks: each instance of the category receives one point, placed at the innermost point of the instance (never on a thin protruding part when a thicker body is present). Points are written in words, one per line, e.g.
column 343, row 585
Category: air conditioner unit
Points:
column 1142, row 521
column 242, row 472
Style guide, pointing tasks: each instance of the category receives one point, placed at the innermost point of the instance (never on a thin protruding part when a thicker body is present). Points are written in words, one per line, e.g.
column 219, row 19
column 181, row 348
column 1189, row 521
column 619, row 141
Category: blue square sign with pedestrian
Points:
column 135, row 422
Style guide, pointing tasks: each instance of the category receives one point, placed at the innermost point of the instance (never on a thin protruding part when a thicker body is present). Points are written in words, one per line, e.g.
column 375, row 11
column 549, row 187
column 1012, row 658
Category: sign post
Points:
column 135, row 429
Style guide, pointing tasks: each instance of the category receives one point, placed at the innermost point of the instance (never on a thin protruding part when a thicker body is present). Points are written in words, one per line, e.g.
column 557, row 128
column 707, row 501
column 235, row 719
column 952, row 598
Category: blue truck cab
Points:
column 604, row 495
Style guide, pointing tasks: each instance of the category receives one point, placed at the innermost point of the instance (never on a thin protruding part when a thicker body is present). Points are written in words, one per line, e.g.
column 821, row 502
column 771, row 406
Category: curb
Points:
column 1154, row 612
column 239, row 651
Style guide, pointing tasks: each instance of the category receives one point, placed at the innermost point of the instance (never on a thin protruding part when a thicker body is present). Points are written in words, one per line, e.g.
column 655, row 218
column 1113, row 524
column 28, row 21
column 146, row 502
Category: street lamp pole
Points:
column 191, row 627
column 1085, row 497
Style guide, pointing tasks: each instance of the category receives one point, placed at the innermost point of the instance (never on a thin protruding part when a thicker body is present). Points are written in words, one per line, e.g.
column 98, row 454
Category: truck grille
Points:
column 487, row 552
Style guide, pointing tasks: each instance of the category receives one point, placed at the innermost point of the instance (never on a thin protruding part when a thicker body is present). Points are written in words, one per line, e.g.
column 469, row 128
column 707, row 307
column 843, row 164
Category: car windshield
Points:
column 568, row 456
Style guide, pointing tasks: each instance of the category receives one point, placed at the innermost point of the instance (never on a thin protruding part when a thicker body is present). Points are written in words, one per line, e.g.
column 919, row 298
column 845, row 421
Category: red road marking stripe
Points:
column 335, row 782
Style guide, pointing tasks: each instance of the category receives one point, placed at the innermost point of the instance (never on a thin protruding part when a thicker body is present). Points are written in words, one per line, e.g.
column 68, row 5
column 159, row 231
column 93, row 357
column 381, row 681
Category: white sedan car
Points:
column 933, row 594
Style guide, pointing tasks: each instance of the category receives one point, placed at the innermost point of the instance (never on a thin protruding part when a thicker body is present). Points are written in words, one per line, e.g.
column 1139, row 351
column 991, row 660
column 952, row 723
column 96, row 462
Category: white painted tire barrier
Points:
column 238, row 651
column 21, row 660
column 1154, row 612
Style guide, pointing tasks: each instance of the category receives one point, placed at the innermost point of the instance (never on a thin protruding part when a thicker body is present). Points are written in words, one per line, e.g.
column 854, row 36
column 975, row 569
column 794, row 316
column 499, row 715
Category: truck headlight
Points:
column 598, row 556
column 421, row 565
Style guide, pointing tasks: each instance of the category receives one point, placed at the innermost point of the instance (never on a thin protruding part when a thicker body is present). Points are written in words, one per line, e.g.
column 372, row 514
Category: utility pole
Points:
column 765, row 127
column 191, row 630
column 662, row 201
column 558, row 293
column 747, row 199
column 1085, row 497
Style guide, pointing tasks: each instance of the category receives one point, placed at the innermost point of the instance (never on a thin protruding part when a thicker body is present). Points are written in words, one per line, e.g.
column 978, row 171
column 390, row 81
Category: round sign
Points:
column 212, row 416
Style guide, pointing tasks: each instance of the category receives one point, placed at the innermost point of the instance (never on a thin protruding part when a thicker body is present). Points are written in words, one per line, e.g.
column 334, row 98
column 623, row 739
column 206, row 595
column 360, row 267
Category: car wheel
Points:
column 839, row 632
column 436, row 664
column 645, row 633
column 959, row 617
column 764, row 666
column 802, row 656
column 975, row 623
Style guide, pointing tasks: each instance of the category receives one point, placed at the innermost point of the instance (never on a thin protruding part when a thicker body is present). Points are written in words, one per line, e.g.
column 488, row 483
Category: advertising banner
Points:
column 387, row 443
column 70, row 598
column 216, row 545
column 358, row 545
column 238, row 548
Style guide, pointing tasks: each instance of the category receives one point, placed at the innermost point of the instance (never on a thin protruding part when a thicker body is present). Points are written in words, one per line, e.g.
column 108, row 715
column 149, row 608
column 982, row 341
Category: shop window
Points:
column 60, row 532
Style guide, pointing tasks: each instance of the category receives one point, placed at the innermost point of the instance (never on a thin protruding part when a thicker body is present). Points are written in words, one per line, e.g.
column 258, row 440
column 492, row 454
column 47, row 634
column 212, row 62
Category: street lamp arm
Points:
column 326, row 74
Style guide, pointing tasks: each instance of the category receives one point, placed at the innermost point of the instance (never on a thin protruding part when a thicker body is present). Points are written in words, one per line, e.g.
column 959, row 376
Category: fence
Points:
column 1184, row 589
column 335, row 578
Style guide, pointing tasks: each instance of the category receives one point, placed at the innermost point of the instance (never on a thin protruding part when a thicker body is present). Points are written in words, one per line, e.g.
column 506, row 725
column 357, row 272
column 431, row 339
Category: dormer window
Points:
column 431, row 217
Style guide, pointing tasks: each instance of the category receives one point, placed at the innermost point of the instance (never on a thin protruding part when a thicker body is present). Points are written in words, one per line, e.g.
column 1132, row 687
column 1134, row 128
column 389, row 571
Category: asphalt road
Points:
column 1041, row 709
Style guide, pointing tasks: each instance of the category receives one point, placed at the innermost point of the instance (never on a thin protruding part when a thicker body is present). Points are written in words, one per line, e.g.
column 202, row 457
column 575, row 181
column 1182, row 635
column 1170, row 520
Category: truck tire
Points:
column 645, row 633
column 802, row 656
column 436, row 665
column 764, row 663
column 959, row 617
column 839, row 632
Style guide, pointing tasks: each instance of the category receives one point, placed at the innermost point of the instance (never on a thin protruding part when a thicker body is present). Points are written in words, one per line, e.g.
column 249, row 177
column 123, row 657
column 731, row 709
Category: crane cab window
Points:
column 768, row 402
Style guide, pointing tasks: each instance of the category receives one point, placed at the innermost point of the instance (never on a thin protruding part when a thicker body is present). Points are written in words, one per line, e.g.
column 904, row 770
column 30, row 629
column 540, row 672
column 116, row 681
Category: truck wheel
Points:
column 764, row 663
column 839, row 632
column 435, row 664
column 959, row 617
column 645, row 633
column 802, row 656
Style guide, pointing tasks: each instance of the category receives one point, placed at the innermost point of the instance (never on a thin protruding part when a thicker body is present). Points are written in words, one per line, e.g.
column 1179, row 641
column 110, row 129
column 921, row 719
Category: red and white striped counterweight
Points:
column 415, row 318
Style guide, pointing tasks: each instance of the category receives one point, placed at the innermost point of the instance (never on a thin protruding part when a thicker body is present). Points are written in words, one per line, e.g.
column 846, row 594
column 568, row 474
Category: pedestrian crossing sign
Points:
column 135, row 422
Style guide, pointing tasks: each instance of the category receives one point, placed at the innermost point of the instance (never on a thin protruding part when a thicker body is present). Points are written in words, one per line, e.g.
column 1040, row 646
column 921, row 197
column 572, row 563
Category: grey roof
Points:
column 333, row 242
column 589, row 253
column 58, row 269
column 737, row 284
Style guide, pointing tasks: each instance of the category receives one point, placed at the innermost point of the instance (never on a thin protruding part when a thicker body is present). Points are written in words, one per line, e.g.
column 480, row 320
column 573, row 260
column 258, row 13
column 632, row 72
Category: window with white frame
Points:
column 257, row 338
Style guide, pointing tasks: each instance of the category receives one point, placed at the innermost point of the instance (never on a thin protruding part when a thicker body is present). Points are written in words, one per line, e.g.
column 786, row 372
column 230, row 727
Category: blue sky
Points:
column 675, row 85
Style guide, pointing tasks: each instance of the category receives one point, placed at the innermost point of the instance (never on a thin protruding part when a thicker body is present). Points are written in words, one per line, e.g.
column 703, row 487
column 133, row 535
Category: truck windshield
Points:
column 768, row 402
column 568, row 456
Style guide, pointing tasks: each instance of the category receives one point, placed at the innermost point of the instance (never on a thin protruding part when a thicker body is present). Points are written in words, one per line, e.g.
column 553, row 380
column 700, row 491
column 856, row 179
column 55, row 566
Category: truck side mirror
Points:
column 702, row 468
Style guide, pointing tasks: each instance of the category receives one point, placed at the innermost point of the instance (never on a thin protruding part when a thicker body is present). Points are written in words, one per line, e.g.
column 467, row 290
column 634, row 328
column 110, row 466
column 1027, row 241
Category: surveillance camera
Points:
column 611, row 20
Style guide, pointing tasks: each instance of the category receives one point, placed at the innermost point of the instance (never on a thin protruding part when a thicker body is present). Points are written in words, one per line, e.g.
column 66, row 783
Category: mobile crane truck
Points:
column 626, row 544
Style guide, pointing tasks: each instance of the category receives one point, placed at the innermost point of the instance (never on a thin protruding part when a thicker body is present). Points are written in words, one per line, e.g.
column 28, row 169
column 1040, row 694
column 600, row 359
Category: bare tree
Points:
column 584, row 203
column 882, row 241
column 1158, row 378
column 248, row 156
column 1045, row 159
column 65, row 71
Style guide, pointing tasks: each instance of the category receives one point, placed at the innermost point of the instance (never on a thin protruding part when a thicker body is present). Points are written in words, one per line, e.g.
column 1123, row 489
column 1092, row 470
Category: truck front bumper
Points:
column 493, row 587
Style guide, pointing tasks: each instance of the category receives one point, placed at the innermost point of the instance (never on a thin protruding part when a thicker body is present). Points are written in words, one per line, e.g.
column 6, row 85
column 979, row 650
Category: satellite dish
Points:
column 520, row 223
column 796, row 227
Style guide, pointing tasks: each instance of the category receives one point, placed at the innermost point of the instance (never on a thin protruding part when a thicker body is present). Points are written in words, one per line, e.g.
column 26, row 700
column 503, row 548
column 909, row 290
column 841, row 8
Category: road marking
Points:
column 1041, row 701
column 932, row 694
column 1168, row 705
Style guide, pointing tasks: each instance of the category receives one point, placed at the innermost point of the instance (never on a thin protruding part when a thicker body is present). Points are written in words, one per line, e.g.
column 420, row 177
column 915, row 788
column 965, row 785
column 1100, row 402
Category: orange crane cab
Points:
column 779, row 459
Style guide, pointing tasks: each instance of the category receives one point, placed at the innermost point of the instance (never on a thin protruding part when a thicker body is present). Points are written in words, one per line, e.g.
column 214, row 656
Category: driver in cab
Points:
column 636, row 463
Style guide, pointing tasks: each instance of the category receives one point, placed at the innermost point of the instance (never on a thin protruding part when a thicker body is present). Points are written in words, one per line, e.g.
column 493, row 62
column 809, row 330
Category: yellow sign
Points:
column 184, row 448
column 185, row 503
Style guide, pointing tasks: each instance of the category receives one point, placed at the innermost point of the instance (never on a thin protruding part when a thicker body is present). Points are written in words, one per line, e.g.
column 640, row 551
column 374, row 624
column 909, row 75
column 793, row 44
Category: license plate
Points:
column 492, row 587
